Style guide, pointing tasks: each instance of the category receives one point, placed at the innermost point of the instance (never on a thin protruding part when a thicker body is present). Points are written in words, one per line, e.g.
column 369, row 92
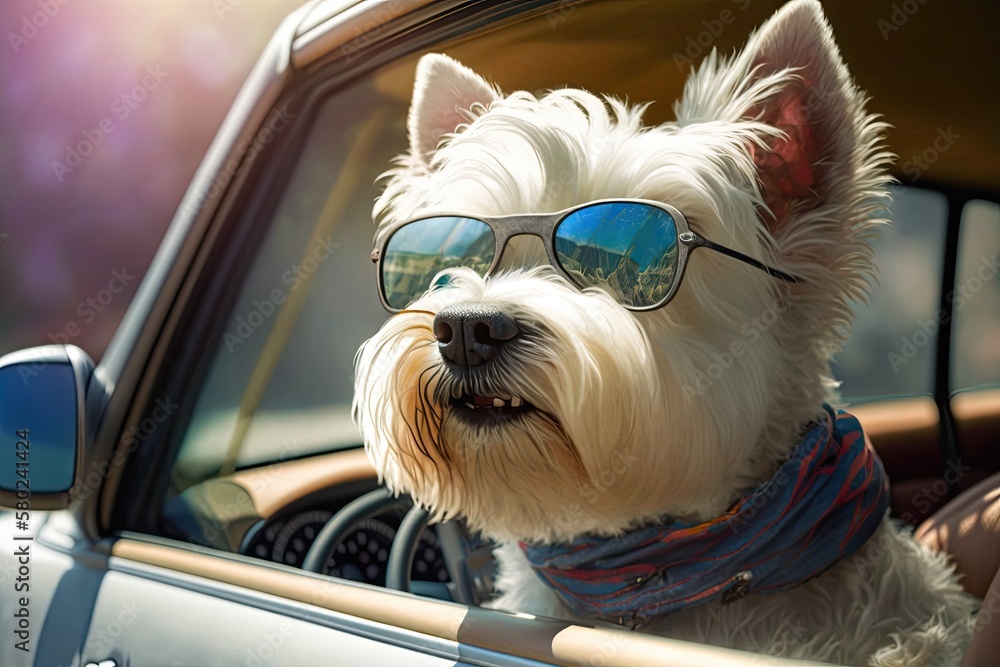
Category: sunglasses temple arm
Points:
column 735, row 254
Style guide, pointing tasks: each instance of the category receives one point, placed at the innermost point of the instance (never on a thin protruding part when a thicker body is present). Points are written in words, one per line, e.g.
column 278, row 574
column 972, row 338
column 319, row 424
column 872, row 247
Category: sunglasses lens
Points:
column 627, row 248
column 417, row 252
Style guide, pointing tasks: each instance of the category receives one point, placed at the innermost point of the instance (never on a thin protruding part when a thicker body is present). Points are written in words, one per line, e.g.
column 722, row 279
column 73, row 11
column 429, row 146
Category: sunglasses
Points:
column 636, row 250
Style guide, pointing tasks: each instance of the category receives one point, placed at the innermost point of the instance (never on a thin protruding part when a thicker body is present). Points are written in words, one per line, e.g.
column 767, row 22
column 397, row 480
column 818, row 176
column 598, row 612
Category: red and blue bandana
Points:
column 822, row 504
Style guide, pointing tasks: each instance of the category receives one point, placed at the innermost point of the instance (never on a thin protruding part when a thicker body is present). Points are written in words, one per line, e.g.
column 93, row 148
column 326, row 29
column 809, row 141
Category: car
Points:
column 201, row 497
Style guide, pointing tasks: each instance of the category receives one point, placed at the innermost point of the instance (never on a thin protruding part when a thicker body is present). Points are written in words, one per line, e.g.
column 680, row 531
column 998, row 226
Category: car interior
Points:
column 265, row 463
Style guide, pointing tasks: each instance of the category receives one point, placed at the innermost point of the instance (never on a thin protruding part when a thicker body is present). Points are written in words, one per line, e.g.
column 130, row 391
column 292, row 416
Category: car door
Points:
column 147, row 615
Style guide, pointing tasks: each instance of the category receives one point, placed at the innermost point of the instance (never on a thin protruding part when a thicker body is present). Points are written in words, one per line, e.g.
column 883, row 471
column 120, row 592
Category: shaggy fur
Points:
column 673, row 412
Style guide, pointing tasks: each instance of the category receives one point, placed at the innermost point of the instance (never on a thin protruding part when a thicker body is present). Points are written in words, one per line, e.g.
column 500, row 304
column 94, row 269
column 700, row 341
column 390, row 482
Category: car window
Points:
column 890, row 351
column 279, row 384
column 975, row 360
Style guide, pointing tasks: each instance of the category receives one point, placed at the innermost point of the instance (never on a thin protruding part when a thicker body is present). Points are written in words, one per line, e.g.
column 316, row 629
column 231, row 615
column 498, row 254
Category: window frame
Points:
column 956, row 198
column 232, row 240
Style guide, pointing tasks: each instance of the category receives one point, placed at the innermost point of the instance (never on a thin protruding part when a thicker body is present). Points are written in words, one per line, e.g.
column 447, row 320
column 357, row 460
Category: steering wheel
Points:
column 464, row 558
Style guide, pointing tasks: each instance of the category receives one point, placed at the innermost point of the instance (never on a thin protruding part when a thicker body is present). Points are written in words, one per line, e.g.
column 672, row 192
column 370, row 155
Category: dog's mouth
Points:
column 479, row 409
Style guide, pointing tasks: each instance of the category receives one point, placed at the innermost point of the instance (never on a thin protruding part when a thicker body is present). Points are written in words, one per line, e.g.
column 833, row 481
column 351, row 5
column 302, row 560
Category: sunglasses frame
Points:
column 544, row 226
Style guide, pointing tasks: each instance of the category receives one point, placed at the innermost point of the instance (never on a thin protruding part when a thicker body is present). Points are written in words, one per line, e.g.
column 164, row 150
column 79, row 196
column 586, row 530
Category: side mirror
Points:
column 42, row 394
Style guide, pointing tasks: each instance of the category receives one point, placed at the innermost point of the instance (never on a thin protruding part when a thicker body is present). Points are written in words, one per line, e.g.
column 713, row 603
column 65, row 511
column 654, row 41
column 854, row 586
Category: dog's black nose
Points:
column 470, row 334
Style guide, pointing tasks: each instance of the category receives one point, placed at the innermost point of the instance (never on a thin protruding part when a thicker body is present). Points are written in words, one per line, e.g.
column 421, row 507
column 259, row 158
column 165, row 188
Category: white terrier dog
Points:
column 644, row 428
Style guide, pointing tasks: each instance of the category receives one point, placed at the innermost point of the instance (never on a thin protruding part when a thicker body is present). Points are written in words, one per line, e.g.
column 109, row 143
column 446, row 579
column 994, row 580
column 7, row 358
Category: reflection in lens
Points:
column 627, row 248
column 417, row 252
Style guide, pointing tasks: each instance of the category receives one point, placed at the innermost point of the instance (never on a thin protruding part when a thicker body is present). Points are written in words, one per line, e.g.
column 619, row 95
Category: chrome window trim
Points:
column 334, row 25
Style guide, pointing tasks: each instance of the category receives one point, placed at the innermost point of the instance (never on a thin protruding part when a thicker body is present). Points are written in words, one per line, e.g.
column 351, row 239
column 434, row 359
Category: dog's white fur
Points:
column 635, row 422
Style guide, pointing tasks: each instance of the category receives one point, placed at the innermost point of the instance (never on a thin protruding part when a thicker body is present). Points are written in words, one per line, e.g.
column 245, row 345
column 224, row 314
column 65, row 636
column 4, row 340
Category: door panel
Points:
column 906, row 434
column 59, row 584
column 138, row 621
column 977, row 426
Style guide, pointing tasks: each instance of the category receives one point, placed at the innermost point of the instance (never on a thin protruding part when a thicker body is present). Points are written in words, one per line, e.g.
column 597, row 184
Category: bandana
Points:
column 822, row 504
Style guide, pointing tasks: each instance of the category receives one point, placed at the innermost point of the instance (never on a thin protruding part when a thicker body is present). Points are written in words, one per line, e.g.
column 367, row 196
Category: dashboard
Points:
column 275, row 513
column 362, row 554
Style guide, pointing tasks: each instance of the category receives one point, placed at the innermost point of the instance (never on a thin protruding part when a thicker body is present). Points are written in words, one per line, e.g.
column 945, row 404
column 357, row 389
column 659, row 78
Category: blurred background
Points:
column 107, row 109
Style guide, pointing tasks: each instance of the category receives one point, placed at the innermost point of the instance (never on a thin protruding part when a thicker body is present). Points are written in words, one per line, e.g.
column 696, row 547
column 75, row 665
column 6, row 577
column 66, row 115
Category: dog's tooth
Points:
column 471, row 406
column 515, row 402
column 498, row 403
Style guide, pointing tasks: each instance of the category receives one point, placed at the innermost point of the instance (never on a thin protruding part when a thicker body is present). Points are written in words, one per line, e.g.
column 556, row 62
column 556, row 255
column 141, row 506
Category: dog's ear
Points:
column 818, row 110
column 791, row 76
column 444, row 92
column 818, row 157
